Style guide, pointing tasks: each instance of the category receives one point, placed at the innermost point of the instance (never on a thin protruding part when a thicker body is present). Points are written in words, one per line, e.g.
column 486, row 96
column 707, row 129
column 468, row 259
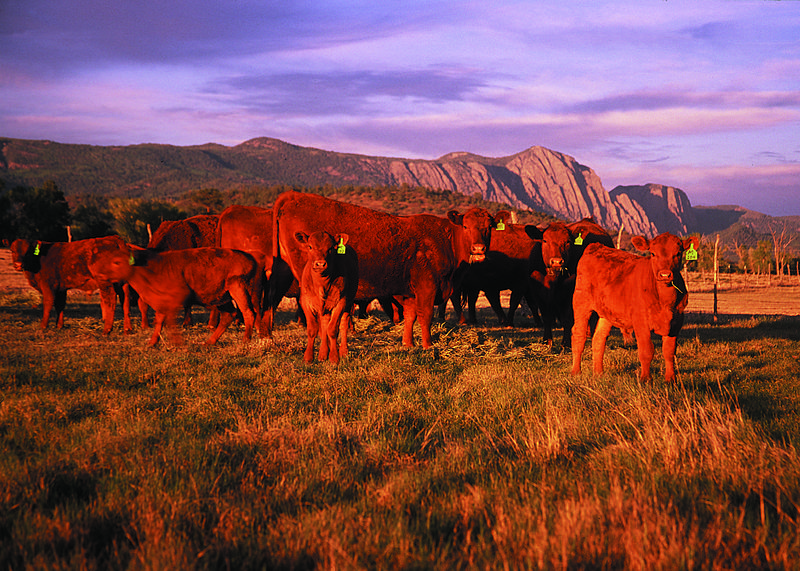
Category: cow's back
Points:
column 66, row 264
column 194, row 232
column 618, row 284
column 387, row 245
column 245, row 228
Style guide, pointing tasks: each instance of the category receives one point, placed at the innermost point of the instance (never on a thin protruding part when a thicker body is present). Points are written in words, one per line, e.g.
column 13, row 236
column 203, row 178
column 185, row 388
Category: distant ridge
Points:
column 535, row 179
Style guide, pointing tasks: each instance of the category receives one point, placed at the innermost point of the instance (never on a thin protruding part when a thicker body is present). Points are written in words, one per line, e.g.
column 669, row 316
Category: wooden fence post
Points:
column 716, row 276
column 619, row 236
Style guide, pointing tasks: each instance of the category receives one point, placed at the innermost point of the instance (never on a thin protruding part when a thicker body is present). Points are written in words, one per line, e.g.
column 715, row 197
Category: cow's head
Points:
column 321, row 248
column 112, row 261
column 19, row 249
column 476, row 230
column 666, row 254
column 556, row 241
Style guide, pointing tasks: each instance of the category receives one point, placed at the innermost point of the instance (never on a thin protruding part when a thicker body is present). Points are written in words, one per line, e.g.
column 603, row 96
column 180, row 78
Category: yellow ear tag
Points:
column 501, row 226
column 579, row 239
column 691, row 253
column 36, row 250
column 131, row 261
column 341, row 248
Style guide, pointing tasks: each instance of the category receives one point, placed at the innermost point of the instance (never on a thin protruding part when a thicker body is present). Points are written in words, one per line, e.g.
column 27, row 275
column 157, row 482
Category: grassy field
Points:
column 482, row 453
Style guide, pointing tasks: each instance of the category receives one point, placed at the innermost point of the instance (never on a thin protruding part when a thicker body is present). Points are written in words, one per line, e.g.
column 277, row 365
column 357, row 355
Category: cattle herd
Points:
column 335, row 256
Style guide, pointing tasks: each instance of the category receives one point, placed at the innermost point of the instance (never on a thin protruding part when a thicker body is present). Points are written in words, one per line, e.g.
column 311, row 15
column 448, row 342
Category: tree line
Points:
column 44, row 213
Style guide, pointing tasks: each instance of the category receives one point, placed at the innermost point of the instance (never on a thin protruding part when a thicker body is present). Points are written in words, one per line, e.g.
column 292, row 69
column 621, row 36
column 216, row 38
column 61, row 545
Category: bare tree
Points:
column 780, row 244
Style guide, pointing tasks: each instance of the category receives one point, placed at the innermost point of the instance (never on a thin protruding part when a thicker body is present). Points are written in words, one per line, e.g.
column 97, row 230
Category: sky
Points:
column 703, row 96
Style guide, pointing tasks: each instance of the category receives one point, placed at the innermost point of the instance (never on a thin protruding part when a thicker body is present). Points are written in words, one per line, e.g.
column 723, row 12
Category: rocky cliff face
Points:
column 537, row 179
column 668, row 208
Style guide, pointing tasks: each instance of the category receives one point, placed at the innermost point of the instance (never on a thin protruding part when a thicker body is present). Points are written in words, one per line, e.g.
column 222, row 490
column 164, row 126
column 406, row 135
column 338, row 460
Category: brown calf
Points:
column 327, row 291
column 629, row 291
column 173, row 280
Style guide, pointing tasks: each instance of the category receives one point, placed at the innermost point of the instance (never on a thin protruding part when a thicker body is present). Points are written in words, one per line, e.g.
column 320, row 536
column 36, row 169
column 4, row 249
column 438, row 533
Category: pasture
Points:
column 481, row 453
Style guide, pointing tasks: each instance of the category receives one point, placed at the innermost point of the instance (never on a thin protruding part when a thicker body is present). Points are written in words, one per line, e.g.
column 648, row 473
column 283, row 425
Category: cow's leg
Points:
column 548, row 321
column 238, row 291
column 108, row 304
column 567, row 319
column 599, row 344
column 324, row 321
column 225, row 318
column 157, row 325
column 646, row 350
column 278, row 284
column 472, row 302
column 60, row 302
column 668, row 347
column 187, row 317
column 580, row 329
column 513, row 304
column 494, row 300
column 533, row 305
column 409, row 317
column 48, row 300
column 344, row 328
column 332, row 333
column 127, row 328
column 213, row 317
column 143, row 307
column 425, row 318
column 312, row 328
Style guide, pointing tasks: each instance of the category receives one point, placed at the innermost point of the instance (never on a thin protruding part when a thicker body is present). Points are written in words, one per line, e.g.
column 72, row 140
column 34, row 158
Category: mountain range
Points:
column 535, row 179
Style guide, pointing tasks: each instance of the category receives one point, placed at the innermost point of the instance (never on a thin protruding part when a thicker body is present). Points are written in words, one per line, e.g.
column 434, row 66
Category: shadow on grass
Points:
column 736, row 328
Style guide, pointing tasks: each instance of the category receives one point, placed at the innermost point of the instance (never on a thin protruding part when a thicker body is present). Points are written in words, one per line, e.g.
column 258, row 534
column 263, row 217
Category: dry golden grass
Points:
column 483, row 453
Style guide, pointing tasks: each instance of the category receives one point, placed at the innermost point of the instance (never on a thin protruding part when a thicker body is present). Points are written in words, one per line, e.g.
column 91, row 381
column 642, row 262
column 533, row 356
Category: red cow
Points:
column 634, row 292
column 562, row 246
column 418, row 258
column 249, row 228
column 327, row 290
column 172, row 280
column 52, row 268
column 508, row 265
column 194, row 232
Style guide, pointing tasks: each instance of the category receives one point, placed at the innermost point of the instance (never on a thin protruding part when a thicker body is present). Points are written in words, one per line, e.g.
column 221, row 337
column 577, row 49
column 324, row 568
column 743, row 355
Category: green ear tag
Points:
column 501, row 226
column 36, row 249
column 131, row 261
column 341, row 248
column 579, row 239
column 691, row 253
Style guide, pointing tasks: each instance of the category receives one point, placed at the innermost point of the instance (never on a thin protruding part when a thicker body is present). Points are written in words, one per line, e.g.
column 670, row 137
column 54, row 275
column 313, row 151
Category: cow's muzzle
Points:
column 319, row 266
column 664, row 276
column 477, row 253
column 556, row 266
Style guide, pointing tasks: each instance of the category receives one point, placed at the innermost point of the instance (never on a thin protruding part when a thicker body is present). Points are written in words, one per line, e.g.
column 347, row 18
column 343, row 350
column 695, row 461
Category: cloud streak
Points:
column 641, row 92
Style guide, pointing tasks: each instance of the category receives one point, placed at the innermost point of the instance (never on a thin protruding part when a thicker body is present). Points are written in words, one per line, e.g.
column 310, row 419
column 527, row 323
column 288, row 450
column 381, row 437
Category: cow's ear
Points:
column 689, row 242
column 640, row 243
column 503, row 216
column 455, row 217
column 533, row 232
column 301, row 237
column 342, row 238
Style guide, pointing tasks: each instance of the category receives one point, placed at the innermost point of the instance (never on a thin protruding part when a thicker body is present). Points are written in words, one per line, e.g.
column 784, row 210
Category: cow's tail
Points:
column 276, row 233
